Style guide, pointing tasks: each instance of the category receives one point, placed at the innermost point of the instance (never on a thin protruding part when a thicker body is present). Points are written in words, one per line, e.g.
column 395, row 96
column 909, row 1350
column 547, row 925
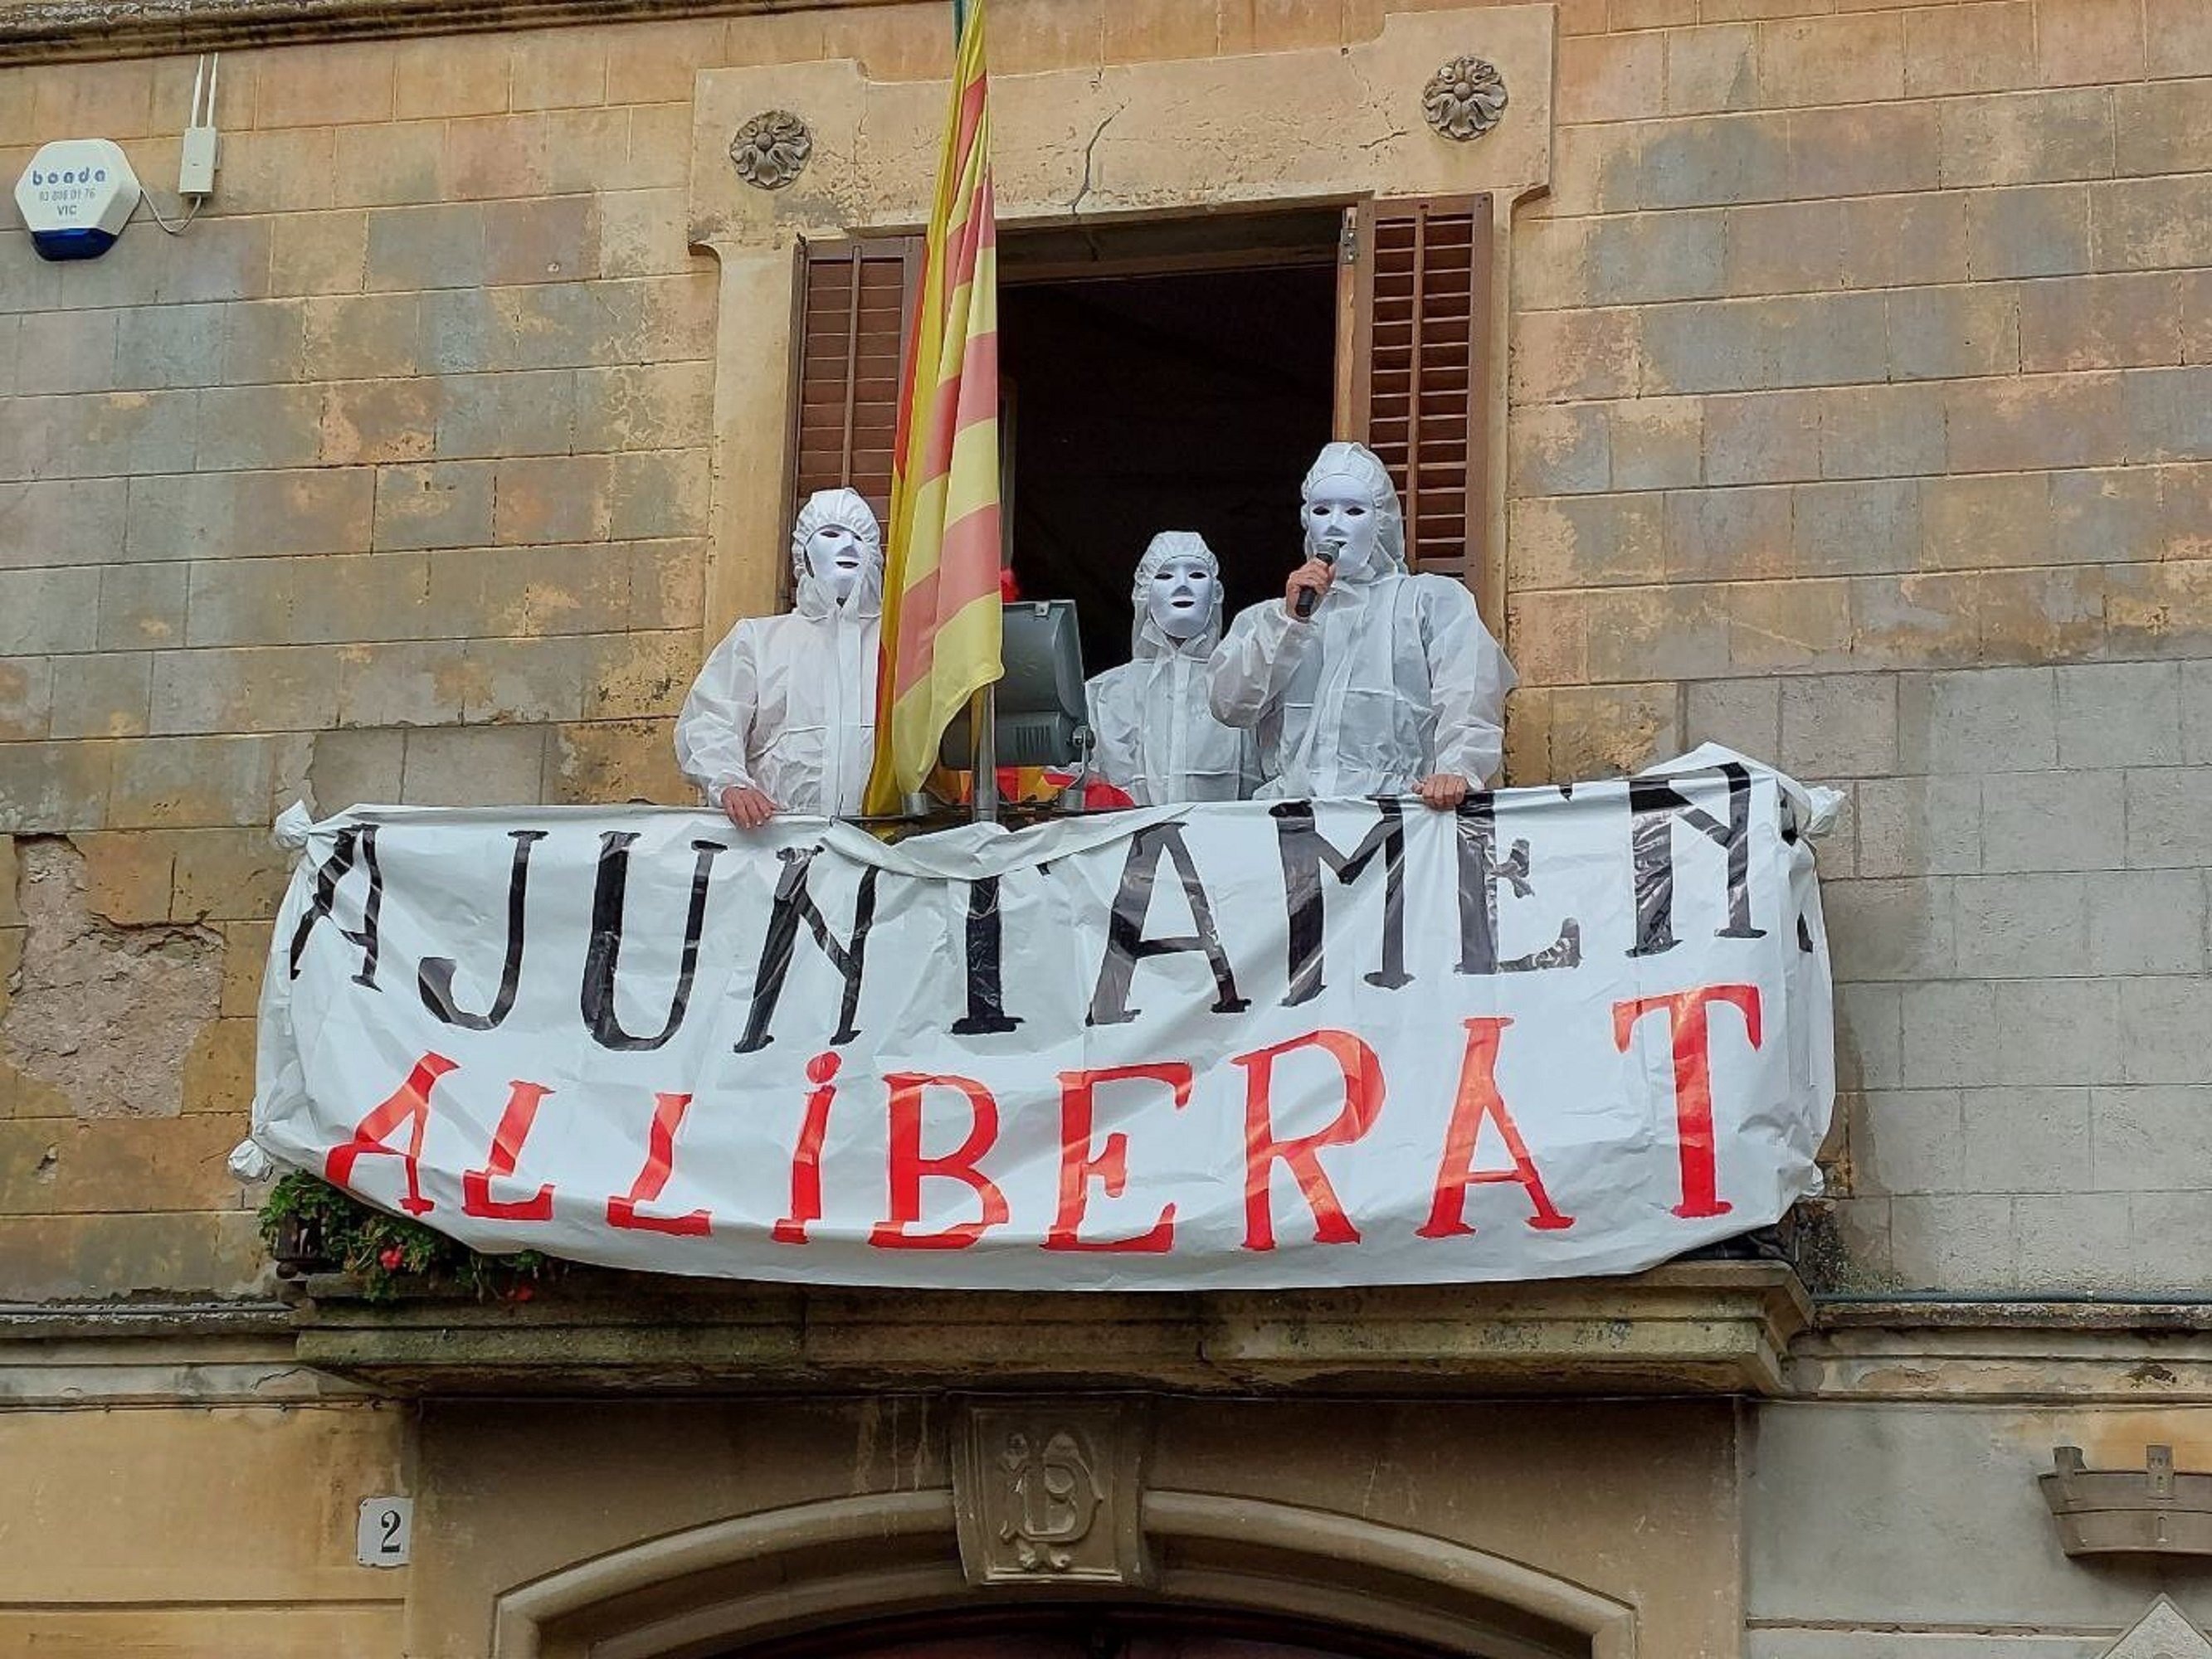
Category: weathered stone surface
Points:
column 444, row 504
column 1561, row 450
column 1845, row 528
column 2088, row 40
column 2150, row 224
column 1657, row 443
column 2031, row 139
column 286, row 688
column 616, row 761
column 487, row 766
column 1586, row 540
column 1945, row 333
column 50, row 1167
column 564, row 500
column 1768, row 437
column 185, row 782
column 27, row 694
column 319, row 252
column 1881, row 432
column 292, row 1632
column 238, row 514
column 228, row 875
column 241, row 1465
column 2041, row 230
column 1605, row 730
column 1744, row 714
column 357, row 767
column 1578, row 353
column 1969, row 48
column 527, row 680
column 54, row 787
column 104, row 1013
column 403, row 684
column 1914, row 621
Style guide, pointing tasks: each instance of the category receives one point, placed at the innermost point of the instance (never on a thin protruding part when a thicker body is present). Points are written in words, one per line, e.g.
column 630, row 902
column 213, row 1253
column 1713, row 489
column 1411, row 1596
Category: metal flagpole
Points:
column 983, row 790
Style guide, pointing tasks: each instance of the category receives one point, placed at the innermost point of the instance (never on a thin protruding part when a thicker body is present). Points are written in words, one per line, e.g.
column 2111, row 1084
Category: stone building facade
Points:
column 1847, row 398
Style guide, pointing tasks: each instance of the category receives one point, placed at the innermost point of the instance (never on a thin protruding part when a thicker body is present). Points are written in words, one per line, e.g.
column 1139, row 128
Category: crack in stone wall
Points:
column 106, row 1014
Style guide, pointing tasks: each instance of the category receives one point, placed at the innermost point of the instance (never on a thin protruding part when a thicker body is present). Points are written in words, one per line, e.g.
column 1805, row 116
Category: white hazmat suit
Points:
column 1393, row 679
column 787, row 705
column 1157, row 739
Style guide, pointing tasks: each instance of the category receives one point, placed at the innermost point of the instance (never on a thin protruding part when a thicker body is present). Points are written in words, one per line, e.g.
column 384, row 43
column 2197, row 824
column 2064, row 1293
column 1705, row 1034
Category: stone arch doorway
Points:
column 783, row 1583
column 1108, row 1631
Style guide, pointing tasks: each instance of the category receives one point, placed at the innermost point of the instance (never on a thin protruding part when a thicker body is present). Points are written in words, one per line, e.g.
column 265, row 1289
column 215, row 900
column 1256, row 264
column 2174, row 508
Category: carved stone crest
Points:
column 1465, row 98
column 1048, row 1492
column 772, row 148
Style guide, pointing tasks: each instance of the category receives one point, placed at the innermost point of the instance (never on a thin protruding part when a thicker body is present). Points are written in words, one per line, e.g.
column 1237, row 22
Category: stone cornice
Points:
column 53, row 31
column 1724, row 1327
column 1689, row 1327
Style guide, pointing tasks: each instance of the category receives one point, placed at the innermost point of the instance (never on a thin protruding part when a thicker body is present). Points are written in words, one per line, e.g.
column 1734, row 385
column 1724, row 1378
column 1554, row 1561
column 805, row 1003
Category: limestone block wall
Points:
column 1908, row 1530
column 1859, row 421
column 1859, row 370
column 225, row 1525
column 386, row 481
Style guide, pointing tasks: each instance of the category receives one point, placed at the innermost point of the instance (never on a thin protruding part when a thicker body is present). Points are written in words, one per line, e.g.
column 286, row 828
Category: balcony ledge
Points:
column 1716, row 1327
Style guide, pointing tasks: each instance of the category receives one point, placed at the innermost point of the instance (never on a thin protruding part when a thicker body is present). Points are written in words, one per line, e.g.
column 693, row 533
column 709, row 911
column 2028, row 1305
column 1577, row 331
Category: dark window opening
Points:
column 1178, row 399
column 1108, row 1632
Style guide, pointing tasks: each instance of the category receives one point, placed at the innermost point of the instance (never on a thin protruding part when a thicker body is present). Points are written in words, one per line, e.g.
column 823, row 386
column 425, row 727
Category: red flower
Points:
column 522, row 1293
column 392, row 1256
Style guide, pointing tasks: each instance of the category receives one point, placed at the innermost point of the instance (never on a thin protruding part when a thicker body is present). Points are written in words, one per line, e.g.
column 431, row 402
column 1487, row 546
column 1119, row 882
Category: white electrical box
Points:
column 197, row 162
column 75, row 197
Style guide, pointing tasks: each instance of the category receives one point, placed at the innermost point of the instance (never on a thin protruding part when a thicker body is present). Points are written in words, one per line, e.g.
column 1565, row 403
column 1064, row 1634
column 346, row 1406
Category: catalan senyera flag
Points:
column 941, row 615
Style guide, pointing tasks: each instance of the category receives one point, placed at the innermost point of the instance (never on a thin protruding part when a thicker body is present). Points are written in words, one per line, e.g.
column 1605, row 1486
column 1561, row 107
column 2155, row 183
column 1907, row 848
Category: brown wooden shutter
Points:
column 1419, row 298
column 853, row 312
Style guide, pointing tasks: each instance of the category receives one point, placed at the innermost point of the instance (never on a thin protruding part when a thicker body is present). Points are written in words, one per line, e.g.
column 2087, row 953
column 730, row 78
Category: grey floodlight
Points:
column 1040, row 719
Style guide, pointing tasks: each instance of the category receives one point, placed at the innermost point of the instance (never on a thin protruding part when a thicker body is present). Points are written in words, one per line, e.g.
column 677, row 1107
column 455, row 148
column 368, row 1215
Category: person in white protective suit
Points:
column 782, row 717
column 1157, row 741
column 1392, row 686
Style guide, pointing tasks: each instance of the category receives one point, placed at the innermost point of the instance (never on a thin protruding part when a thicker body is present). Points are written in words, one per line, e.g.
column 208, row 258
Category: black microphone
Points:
column 1308, row 597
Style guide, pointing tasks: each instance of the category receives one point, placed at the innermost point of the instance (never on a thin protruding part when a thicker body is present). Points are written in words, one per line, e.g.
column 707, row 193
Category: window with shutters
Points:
column 853, row 310
column 1419, row 296
column 1181, row 374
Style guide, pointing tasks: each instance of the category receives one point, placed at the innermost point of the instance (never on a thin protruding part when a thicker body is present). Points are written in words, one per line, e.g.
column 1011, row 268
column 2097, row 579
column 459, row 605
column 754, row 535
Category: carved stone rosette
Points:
column 1465, row 99
column 1048, row 1492
column 771, row 149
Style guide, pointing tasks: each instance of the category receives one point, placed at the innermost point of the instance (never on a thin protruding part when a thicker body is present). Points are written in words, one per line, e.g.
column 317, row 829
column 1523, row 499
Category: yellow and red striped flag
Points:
column 941, row 614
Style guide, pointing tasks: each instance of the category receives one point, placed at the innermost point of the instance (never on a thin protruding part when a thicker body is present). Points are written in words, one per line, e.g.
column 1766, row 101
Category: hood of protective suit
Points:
column 849, row 509
column 1146, row 638
column 1359, row 461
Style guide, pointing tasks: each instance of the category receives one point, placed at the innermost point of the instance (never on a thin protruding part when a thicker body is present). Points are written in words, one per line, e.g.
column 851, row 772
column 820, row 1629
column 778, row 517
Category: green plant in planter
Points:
column 307, row 1223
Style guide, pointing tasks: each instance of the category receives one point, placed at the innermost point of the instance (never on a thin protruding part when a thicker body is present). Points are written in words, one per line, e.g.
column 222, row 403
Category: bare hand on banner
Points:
column 1314, row 575
column 1444, row 791
column 748, row 809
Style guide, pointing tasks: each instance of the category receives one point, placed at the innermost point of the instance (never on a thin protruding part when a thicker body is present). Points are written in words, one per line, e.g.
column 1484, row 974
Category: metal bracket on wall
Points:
column 2152, row 1511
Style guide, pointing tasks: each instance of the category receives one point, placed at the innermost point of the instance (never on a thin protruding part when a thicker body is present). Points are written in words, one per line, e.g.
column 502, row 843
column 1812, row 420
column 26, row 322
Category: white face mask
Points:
column 1179, row 598
column 835, row 555
column 1338, row 514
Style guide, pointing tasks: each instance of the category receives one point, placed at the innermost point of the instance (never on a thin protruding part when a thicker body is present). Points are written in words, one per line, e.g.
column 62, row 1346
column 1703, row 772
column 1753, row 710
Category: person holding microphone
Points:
column 1363, row 679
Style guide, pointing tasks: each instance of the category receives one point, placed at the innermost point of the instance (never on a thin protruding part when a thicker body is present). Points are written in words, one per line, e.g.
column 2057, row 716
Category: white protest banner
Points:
column 1248, row 1044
